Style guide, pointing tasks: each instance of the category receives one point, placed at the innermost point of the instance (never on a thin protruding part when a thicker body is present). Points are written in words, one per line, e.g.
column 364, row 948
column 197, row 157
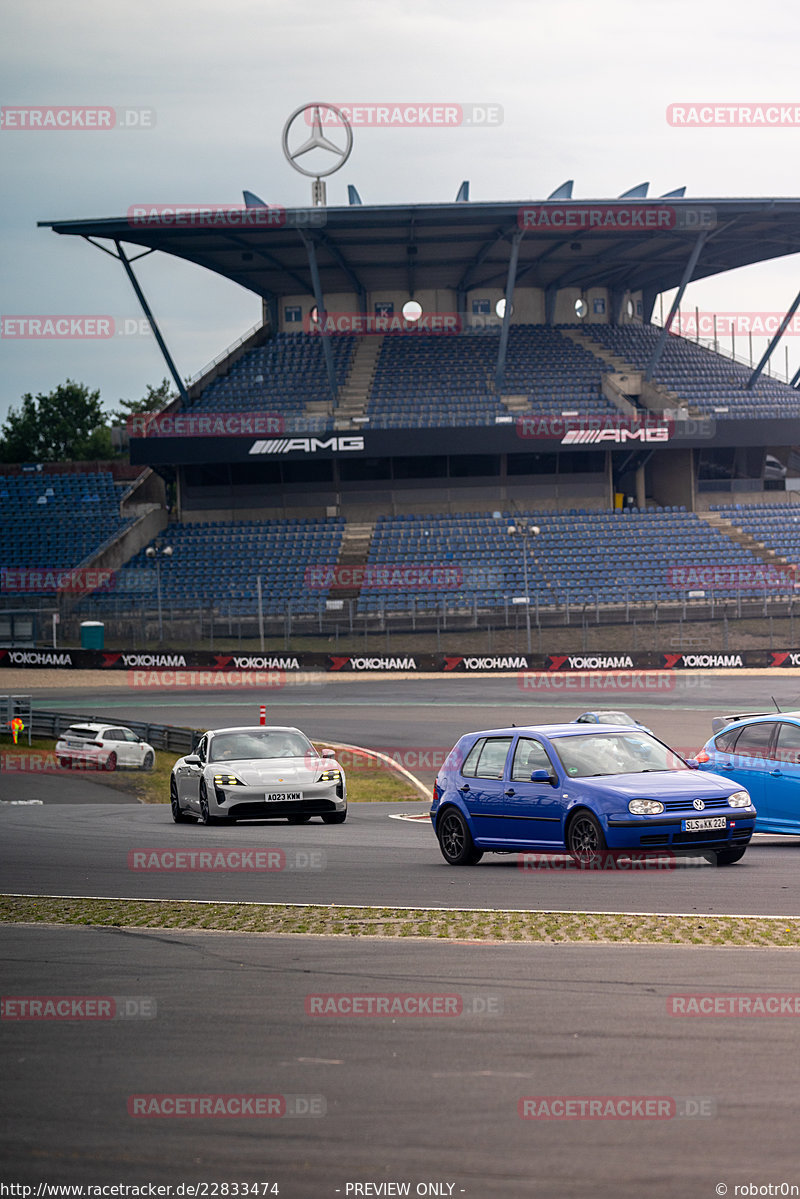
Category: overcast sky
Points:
column 584, row 89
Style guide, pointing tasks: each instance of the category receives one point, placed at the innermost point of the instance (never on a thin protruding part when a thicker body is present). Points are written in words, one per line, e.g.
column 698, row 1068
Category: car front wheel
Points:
column 205, row 816
column 585, row 840
column 178, row 814
column 149, row 760
column 725, row 857
column 335, row 817
column 455, row 840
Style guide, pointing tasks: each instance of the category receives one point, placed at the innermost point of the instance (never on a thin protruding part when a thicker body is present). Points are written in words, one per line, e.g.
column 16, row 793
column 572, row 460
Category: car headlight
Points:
column 740, row 799
column 227, row 780
column 330, row 776
column 645, row 807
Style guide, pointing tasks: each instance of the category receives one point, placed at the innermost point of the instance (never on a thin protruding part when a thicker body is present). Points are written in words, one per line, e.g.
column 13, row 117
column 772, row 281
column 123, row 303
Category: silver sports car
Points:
column 258, row 773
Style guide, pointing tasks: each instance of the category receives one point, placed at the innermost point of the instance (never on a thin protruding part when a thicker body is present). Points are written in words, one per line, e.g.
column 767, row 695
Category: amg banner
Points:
column 288, row 664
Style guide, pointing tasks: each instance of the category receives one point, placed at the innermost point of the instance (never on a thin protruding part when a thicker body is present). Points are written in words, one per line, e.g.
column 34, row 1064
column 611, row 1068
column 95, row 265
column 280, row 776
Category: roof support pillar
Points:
column 311, row 251
column 162, row 345
column 765, row 357
column 658, row 349
column 510, row 282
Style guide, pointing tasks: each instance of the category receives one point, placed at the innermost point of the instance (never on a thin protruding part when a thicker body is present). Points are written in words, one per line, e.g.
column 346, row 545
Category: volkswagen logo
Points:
column 698, row 803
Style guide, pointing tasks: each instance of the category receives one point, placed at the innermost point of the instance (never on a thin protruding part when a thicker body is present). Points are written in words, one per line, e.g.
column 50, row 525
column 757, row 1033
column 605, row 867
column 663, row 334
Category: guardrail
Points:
column 161, row 736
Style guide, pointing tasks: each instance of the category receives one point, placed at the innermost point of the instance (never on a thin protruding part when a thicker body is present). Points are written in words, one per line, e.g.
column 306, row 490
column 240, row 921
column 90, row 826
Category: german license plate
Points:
column 281, row 796
column 704, row 822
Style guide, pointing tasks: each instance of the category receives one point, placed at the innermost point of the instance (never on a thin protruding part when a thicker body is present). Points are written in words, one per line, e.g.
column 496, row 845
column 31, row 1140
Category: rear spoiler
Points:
column 721, row 722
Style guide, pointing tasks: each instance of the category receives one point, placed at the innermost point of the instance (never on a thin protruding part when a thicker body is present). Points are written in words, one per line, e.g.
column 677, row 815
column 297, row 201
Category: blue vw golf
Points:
column 583, row 790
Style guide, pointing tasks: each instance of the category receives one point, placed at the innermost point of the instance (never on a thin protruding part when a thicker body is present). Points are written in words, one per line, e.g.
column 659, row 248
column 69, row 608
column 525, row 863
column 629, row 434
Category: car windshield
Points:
column 255, row 744
column 614, row 753
column 81, row 731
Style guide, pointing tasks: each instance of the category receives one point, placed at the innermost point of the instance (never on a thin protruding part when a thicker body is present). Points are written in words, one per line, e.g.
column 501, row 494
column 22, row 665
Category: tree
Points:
column 62, row 425
column 153, row 401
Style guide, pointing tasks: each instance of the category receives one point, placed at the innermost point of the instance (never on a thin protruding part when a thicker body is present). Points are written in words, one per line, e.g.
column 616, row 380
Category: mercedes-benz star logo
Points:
column 698, row 803
column 318, row 140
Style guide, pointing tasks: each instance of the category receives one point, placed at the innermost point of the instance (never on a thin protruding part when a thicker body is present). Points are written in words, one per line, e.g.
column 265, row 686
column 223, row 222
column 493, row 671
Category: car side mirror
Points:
column 192, row 760
column 329, row 753
column 692, row 763
column 542, row 776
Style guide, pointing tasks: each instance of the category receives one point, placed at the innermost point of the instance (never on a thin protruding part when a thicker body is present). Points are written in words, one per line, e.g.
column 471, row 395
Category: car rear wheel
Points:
column 585, row 840
column 149, row 760
column 725, row 857
column 111, row 761
column 178, row 814
column 65, row 763
column 335, row 817
column 455, row 840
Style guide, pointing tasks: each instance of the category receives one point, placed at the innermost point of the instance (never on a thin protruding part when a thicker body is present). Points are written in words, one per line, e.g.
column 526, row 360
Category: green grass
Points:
column 333, row 920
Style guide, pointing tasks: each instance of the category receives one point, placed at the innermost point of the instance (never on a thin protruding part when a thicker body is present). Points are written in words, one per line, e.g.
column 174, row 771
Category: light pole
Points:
column 525, row 531
column 157, row 552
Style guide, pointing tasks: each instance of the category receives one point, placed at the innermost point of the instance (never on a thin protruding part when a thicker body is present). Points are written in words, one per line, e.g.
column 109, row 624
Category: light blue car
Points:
column 762, row 753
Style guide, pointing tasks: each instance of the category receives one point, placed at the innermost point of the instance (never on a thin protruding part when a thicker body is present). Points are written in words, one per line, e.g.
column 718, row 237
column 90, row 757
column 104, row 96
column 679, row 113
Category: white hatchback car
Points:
column 103, row 747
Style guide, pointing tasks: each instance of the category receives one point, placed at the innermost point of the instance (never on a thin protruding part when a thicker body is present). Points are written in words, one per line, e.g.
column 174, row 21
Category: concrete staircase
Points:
column 354, row 551
column 731, row 530
column 627, row 379
column 354, row 394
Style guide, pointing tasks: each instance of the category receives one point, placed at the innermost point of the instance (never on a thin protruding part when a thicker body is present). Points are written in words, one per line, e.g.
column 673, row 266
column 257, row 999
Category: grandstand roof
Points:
column 467, row 245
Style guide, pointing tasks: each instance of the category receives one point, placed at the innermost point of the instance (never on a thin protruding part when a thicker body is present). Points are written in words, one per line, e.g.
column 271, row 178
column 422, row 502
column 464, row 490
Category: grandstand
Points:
column 631, row 451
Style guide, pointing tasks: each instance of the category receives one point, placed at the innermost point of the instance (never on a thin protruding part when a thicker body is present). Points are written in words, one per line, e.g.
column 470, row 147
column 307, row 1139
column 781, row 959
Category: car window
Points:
column 754, row 739
column 591, row 755
column 130, row 736
column 789, row 743
column 471, row 762
column 528, row 756
column 113, row 735
column 79, row 731
column 270, row 743
column 493, row 758
column 726, row 741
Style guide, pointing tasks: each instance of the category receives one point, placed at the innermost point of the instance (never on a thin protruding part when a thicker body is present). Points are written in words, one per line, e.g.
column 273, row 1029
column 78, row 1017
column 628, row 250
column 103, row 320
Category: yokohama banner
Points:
column 396, row 662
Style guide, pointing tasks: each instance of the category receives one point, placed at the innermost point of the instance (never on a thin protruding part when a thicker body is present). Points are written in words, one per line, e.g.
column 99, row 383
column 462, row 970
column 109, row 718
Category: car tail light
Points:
column 436, row 793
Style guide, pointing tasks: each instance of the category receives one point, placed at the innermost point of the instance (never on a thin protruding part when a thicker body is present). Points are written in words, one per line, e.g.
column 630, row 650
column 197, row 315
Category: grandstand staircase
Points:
column 731, row 530
column 354, row 394
column 354, row 551
column 650, row 395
